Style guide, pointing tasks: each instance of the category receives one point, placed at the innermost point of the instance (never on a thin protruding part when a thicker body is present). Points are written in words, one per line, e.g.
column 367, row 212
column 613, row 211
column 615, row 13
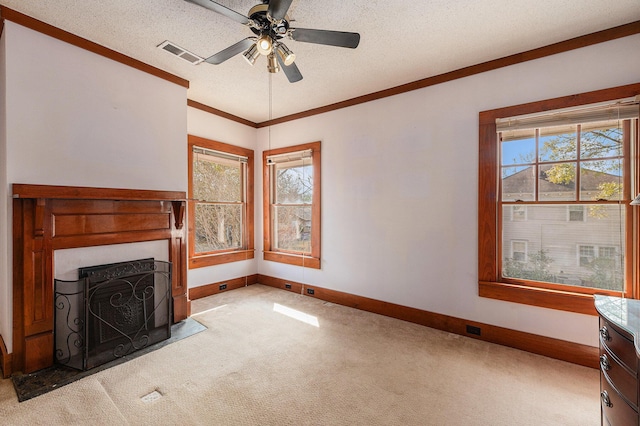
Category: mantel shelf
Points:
column 90, row 193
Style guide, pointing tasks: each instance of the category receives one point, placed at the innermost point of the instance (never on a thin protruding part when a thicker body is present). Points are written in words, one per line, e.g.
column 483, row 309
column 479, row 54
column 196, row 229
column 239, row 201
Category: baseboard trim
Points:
column 214, row 288
column 5, row 360
column 553, row 348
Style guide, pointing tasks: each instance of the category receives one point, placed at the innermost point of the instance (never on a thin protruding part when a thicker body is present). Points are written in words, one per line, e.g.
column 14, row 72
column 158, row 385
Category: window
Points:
column 220, row 203
column 576, row 213
column 518, row 213
column 292, row 205
column 519, row 251
column 607, row 252
column 587, row 254
column 567, row 161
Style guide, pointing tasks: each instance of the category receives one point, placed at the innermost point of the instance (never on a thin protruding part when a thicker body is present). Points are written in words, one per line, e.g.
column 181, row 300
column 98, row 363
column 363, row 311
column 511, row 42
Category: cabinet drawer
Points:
column 621, row 379
column 619, row 345
column 614, row 409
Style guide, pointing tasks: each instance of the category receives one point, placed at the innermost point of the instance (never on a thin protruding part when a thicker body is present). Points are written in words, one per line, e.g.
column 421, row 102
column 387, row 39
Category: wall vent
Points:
column 181, row 53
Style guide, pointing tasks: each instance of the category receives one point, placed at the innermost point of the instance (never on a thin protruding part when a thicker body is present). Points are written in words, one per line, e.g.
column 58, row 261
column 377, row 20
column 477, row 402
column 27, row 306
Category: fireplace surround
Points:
column 48, row 218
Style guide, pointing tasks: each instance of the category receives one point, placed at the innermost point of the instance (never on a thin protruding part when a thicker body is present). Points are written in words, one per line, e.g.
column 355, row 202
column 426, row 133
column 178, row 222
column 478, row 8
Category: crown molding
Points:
column 67, row 37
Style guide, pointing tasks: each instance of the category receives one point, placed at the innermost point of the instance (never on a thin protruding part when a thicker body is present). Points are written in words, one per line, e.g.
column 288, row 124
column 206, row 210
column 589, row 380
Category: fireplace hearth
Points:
column 111, row 311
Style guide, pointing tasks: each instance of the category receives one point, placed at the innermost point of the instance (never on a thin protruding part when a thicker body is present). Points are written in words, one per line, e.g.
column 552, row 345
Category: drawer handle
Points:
column 605, row 333
column 604, row 362
column 604, row 396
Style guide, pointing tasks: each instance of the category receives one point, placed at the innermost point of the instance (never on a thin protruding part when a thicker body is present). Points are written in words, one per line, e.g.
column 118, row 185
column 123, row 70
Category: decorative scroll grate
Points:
column 111, row 311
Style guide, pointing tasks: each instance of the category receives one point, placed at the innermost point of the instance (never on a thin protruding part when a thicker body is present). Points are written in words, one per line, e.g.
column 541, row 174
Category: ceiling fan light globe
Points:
column 272, row 64
column 251, row 54
column 264, row 45
column 286, row 55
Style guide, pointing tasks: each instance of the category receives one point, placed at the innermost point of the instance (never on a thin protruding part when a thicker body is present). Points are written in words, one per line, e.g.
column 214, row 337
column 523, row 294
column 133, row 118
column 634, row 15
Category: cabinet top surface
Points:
column 625, row 313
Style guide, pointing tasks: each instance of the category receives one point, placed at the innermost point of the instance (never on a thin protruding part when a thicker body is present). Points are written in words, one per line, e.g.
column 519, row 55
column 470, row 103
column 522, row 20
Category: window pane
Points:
column 292, row 225
column 518, row 147
column 294, row 182
column 582, row 253
column 601, row 139
column 557, row 182
column 558, row 143
column 576, row 213
column 518, row 212
column 216, row 180
column 518, row 183
column 607, row 252
column 218, row 227
column 601, row 180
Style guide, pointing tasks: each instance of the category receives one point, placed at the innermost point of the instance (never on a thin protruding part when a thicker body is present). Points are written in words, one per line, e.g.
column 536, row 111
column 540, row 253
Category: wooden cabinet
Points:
column 619, row 360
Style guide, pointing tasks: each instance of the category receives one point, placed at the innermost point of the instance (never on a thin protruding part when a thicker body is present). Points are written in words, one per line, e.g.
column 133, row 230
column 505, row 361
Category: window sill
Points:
column 545, row 298
column 219, row 259
column 292, row 259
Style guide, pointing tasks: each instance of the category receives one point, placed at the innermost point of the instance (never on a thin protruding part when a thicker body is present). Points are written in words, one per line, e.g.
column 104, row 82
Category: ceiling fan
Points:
column 270, row 24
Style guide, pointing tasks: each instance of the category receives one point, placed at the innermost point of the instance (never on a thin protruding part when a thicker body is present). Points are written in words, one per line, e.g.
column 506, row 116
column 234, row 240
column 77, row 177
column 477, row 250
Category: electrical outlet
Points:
column 474, row 330
column 310, row 291
column 223, row 286
column 287, row 286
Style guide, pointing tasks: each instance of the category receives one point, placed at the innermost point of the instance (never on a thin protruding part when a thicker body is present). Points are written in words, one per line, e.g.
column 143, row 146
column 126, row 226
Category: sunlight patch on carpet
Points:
column 208, row 310
column 298, row 315
column 150, row 397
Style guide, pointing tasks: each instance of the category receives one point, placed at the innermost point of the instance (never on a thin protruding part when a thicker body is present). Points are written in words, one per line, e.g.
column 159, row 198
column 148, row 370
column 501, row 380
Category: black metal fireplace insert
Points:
column 111, row 311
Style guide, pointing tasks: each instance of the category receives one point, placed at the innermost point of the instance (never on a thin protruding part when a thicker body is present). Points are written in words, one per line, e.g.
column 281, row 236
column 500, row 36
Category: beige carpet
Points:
column 258, row 365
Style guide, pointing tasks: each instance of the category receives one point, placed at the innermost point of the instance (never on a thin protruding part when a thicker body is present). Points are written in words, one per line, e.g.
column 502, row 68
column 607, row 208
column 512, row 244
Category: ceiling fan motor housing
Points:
column 265, row 26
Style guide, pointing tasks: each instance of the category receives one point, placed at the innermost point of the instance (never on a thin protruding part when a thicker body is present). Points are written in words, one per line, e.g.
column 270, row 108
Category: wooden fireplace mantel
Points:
column 48, row 218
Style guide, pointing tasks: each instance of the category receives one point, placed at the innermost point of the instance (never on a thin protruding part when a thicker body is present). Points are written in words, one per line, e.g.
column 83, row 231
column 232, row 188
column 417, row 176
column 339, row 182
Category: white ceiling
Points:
column 401, row 41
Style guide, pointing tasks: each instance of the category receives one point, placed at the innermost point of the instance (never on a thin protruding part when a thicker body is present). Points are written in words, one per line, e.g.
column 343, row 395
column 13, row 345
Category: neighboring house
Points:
column 573, row 248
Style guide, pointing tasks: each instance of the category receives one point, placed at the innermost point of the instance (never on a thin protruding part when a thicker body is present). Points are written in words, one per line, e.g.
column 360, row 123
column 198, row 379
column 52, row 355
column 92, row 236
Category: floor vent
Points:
column 181, row 53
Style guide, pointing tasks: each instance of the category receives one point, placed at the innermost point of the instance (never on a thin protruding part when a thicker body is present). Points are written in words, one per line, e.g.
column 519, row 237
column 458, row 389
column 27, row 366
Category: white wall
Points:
column 77, row 118
column 399, row 188
column 205, row 125
column 399, row 198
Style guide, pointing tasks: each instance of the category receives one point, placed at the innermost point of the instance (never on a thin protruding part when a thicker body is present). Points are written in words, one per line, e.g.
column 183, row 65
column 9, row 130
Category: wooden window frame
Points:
column 246, row 251
column 270, row 252
column 553, row 296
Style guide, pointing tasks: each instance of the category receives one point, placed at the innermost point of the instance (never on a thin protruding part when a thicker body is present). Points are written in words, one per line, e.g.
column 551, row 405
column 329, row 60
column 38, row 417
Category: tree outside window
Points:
column 568, row 162
column 220, row 202
column 292, row 205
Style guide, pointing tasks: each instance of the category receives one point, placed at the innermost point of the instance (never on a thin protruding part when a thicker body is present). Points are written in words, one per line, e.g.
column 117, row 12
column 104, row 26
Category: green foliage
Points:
column 561, row 174
column 606, row 274
column 594, row 145
column 536, row 268
column 607, row 191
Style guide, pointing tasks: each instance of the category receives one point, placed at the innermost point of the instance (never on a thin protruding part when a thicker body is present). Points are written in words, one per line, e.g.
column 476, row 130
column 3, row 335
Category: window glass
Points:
column 292, row 205
column 554, row 246
column 292, row 208
column 518, row 212
column 557, row 182
column 218, row 227
column 569, row 163
column 217, row 179
column 576, row 214
column 220, row 205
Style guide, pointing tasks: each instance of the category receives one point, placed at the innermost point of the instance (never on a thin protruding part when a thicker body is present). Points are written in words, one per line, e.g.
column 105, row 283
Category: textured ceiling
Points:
column 401, row 41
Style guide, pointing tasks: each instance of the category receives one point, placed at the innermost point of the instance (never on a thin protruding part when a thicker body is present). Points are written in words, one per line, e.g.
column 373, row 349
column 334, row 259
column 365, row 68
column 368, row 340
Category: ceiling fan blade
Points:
column 230, row 51
column 222, row 10
column 331, row 38
column 291, row 71
column 278, row 8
